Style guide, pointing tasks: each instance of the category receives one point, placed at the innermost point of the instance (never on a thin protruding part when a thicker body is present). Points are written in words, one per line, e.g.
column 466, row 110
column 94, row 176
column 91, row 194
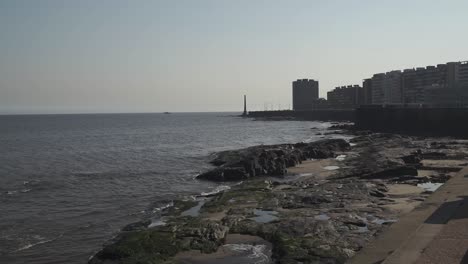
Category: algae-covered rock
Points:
column 158, row 245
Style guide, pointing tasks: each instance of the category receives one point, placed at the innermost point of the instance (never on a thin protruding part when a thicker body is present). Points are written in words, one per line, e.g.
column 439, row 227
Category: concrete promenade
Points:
column 434, row 232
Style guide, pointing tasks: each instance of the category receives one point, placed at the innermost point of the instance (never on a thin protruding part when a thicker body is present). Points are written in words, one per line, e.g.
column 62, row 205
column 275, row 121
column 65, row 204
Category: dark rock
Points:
column 234, row 174
column 141, row 225
column 392, row 172
column 316, row 199
column 225, row 174
column 377, row 193
column 433, row 155
column 355, row 222
column 441, row 178
column 342, row 126
column 414, row 159
column 270, row 160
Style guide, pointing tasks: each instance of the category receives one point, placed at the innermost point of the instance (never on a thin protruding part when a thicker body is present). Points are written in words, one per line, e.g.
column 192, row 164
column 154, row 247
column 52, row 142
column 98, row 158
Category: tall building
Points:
column 386, row 88
column 441, row 85
column 457, row 73
column 305, row 94
column 367, row 90
column 416, row 83
column 345, row 97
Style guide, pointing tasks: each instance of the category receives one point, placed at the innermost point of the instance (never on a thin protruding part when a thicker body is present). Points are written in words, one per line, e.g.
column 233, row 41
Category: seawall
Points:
column 312, row 115
column 416, row 121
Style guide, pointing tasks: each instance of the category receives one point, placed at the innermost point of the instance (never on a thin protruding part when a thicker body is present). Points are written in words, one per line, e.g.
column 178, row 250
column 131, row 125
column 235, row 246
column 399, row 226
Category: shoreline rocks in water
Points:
column 307, row 219
column 270, row 160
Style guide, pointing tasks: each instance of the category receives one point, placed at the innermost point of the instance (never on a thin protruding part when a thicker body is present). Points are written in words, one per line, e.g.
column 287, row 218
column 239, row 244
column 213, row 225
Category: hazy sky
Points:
column 196, row 55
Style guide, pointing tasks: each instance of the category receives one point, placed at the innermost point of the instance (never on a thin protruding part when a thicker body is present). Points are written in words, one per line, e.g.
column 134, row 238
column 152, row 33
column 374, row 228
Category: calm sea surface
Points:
column 68, row 183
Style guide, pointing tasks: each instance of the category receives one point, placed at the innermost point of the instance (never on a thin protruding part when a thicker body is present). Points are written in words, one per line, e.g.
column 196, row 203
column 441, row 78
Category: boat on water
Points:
column 166, row 113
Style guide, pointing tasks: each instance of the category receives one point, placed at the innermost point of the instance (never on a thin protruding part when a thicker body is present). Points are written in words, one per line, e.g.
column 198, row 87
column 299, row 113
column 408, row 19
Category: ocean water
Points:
column 69, row 183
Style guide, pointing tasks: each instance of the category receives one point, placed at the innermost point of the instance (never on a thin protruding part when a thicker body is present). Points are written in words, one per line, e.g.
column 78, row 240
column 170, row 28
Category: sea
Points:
column 69, row 183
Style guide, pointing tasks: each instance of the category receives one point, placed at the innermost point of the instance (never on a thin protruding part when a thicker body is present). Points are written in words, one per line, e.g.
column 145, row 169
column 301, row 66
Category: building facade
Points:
column 444, row 84
column 367, row 90
column 416, row 83
column 386, row 88
column 305, row 94
column 345, row 97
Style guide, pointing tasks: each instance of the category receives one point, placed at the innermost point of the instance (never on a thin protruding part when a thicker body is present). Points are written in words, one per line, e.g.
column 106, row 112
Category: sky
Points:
column 105, row 56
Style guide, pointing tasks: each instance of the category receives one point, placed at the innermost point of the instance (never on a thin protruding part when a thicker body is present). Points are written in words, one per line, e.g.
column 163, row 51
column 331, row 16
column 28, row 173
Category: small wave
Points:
column 16, row 191
column 41, row 241
column 162, row 208
column 190, row 198
column 157, row 222
column 216, row 190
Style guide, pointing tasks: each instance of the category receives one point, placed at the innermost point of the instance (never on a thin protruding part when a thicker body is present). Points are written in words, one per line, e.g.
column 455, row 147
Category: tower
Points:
column 245, row 106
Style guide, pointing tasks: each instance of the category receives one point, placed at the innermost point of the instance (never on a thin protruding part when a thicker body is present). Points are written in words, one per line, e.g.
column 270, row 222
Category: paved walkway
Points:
column 435, row 232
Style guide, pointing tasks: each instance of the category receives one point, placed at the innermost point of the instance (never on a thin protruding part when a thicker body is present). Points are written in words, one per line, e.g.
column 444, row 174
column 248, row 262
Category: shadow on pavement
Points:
column 447, row 211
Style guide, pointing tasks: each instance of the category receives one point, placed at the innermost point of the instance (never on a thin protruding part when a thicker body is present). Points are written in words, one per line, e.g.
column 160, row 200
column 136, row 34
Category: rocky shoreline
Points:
column 318, row 202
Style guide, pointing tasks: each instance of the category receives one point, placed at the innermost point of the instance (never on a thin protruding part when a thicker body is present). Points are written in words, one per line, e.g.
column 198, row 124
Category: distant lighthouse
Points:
column 245, row 106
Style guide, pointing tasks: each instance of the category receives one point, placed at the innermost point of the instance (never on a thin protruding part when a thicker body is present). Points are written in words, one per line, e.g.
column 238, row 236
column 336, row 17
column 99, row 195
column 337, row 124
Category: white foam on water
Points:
column 430, row 186
column 157, row 222
column 331, row 167
column 340, row 157
column 42, row 240
column 239, row 183
column 255, row 252
column 162, row 208
column 216, row 190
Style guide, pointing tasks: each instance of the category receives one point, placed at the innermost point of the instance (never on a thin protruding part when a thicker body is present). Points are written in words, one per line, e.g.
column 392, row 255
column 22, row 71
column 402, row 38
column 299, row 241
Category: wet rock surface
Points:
column 306, row 219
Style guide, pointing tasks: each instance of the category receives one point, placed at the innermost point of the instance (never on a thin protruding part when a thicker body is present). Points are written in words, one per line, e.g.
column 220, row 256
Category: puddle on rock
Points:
column 430, row 186
column 194, row 211
column 362, row 229
column 321, row 217
column 238, row 249
column 383, row 221
column 264, row 216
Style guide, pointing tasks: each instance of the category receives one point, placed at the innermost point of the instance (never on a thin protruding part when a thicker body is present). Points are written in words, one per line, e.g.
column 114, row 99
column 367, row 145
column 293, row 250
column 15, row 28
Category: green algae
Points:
column 161, row 244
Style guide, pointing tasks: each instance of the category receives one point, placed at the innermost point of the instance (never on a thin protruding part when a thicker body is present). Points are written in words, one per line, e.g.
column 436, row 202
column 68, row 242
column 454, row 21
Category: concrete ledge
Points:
column 406, row 240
